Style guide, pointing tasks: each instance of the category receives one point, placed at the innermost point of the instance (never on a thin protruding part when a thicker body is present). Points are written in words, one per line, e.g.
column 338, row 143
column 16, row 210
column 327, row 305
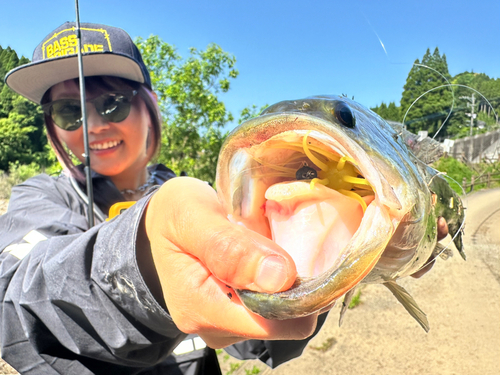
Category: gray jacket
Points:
column 73, row 298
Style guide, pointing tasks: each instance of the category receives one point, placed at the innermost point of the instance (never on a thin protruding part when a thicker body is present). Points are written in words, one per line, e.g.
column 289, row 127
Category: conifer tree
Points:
column 388, row 112
column 427, row 96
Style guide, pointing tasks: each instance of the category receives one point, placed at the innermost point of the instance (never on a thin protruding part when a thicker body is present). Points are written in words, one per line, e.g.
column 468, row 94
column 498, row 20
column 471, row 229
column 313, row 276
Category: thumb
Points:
column 187, row 213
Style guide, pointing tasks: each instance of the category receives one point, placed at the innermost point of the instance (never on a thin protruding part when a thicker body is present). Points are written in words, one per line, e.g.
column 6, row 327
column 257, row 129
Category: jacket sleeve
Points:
column 73, row 292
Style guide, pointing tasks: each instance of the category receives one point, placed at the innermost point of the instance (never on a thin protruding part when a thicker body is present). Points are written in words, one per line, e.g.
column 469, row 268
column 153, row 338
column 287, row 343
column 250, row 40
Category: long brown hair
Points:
column 97, row 85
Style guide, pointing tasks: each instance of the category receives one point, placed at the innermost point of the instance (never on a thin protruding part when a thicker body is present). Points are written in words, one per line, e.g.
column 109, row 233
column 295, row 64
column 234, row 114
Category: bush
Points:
column 454, row 169
column 458, row 171
column 17, row 174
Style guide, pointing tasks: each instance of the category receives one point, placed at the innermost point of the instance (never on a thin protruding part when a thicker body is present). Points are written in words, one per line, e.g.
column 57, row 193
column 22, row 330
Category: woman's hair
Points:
column 97, row 85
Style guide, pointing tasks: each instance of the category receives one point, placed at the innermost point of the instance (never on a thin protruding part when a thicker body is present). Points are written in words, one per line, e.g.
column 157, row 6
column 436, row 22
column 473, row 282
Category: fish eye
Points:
column 344, row 115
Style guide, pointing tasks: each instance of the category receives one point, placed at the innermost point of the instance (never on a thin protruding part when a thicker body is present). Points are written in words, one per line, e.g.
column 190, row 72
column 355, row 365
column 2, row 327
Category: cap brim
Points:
column 33, row 80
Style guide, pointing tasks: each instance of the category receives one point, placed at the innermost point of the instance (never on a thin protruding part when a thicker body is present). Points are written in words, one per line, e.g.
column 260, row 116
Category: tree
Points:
column 427, row 112
column 251, row 112
column 488, row 106
column 486, row 92
column 193, row 114
column 388, row 112
column 22, row 133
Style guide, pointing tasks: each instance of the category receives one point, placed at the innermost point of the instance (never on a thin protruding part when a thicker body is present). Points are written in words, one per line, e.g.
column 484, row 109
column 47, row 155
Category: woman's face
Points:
column 116, row 149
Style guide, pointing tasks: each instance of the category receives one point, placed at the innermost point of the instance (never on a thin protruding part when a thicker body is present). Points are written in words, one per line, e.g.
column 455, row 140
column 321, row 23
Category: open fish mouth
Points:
column 345, row 193
column 314, row 191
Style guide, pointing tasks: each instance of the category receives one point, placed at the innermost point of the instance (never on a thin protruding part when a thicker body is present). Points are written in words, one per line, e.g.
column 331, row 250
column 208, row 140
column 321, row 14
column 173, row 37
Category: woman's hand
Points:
column 197, row 253
column 442, row 229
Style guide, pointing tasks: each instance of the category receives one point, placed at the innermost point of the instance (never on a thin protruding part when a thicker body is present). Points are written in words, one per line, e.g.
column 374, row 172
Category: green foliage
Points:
column 428, row 112
column 233, row 367
column 22, row 133
column 459, row 124
column 458, row 171
column 21, row 172
column 9, row 60
column 454, row 169
column 436, row 103
column 17, row 174
column 193, row 114
column 253, row 371
column 188, row 90
column 14, row 140
column 250, row 112
column 388, row 112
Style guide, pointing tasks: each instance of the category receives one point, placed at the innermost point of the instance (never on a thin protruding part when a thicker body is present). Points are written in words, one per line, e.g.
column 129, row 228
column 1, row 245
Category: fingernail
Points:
column 272, row 274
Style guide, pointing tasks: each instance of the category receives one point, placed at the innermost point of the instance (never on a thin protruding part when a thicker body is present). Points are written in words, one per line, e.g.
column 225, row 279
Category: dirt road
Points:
column 461, row 300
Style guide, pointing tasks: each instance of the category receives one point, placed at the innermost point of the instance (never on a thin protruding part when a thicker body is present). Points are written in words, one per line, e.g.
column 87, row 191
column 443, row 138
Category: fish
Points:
column 351, row 197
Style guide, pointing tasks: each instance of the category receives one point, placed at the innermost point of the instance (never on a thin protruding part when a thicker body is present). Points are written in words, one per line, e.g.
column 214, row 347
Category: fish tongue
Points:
column 312, row 225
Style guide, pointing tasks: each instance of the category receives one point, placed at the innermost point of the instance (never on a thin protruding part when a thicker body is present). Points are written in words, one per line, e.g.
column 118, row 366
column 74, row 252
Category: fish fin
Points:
column 345, row 304
column 408, row 303
column 449, row 205
column 459, row 243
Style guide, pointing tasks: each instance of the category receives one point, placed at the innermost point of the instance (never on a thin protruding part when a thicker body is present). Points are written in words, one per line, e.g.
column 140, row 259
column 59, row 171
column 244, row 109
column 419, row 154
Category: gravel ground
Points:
column 461, row 300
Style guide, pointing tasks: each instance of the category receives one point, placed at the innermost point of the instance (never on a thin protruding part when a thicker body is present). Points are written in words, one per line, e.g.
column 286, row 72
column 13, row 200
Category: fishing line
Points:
column 452, row 102
column 83, row 103
column 452, row 84
column 373, row 29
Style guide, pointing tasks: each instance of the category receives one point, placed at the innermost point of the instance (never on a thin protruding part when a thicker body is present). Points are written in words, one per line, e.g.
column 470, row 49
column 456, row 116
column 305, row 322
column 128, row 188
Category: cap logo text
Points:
column 59, row 45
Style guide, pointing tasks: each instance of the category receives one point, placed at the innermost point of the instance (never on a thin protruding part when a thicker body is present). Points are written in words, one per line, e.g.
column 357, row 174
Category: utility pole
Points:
column 472, row 115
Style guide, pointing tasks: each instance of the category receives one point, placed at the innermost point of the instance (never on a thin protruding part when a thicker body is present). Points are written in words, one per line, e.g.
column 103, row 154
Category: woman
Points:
column 119, row 297
column 122, row 296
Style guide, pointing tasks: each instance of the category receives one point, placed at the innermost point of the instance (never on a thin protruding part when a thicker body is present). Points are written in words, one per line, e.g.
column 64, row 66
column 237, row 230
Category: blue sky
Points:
column 291, row 49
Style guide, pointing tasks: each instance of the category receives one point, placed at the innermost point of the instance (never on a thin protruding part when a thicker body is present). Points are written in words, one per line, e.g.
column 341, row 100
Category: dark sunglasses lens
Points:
column 67, row 114
column 113, row 107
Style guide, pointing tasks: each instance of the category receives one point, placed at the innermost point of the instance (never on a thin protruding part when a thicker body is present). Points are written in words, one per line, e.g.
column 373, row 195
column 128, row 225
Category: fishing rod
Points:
column 83, row 104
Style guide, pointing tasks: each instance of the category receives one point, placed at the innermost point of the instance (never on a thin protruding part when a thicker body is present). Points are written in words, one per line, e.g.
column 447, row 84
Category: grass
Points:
column 327, row 345
column 230, row 365
column 253, row 371
column 356, row 300
column 233, row 368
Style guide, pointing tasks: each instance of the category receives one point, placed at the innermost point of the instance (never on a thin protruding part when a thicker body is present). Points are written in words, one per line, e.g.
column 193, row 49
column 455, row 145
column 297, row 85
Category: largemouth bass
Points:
column 343, row 192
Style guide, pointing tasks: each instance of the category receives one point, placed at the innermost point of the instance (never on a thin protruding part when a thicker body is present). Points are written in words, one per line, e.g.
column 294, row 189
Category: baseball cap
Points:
column 106, row 51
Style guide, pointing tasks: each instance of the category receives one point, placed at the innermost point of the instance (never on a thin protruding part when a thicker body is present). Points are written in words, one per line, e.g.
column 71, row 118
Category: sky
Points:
column 290, row 49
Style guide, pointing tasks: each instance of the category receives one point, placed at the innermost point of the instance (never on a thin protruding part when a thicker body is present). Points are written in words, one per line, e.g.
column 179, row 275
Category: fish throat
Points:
column 307, row 196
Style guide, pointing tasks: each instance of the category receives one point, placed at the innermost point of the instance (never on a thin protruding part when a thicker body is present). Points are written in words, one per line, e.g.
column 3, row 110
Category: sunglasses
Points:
column 112, row 106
